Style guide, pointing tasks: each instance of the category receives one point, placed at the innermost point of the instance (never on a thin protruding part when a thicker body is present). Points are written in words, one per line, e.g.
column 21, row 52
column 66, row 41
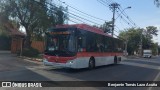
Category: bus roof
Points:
column 84, row 27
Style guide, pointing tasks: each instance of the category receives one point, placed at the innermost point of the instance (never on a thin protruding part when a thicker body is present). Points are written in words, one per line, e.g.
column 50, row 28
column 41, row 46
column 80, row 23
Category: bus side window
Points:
column 81, row 44
column 100, row 47
column 108, row 45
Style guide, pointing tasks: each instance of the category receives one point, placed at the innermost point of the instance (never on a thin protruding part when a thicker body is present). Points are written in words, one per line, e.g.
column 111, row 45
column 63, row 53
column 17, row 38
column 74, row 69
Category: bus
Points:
column 81, row 46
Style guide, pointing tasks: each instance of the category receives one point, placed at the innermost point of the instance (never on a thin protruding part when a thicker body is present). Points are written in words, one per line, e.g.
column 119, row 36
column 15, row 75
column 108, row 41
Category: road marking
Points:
column 51, row 76
column 155, row 79
column 144, row 60
column 36, row 62
column 145, row 66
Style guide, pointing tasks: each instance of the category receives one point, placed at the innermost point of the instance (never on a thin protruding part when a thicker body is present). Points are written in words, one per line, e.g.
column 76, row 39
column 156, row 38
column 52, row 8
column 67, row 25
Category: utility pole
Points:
column 67, row 15
column 126, row 43
column 113, row 6
column 141, row 43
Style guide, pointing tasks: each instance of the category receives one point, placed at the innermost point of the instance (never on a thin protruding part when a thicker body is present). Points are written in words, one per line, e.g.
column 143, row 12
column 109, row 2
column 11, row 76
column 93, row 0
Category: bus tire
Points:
column 115, row 60
column 91, row 63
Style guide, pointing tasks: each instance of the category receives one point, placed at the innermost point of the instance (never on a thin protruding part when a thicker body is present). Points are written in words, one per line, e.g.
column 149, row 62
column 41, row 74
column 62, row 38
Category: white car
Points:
column 147, row 53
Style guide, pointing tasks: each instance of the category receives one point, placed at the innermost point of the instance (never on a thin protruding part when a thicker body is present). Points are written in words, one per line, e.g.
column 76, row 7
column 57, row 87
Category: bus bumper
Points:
column 69, row 64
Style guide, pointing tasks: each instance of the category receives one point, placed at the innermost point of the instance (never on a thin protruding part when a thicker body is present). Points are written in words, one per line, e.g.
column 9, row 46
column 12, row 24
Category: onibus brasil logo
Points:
column 21, row 84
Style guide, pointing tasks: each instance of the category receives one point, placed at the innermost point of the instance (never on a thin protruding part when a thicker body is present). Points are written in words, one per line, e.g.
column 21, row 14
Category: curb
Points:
column 133, row 57
column 31, row 59
column 138, row 57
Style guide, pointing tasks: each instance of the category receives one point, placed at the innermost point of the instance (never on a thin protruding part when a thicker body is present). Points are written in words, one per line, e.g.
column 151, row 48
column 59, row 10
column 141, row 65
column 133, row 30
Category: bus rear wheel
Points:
column 91, row 63
column 115, row 60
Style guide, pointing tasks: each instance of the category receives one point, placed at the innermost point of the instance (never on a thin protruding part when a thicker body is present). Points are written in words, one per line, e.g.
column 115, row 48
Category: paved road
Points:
column 15, row 69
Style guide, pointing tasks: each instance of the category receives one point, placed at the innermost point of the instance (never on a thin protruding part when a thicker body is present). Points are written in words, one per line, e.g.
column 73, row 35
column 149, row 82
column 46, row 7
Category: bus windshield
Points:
column 60, row 43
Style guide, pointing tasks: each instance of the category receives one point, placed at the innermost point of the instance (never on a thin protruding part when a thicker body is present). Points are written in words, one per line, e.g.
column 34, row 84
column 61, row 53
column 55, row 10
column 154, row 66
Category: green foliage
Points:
column 34, row 16
column 151, row 31
column 148, row 36
column 154, row 48
column 133, row 37
column 30, row 52
column 106, row 27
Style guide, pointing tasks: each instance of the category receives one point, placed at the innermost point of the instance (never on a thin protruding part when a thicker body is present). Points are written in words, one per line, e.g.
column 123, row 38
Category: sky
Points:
column 142, row 12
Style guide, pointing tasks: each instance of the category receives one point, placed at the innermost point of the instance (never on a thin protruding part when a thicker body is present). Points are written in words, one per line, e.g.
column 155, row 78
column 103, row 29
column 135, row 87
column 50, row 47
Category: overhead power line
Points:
column 82, row 18
column 82, row 15
column 73, row 21
column 124, row 14
column 81, row 11
column 128, row 21
column 75, row 18
column 103, row 3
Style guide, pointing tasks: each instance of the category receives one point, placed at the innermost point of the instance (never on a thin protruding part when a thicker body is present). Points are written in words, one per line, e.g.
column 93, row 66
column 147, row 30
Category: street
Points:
column 13, row 68
column 79, row 45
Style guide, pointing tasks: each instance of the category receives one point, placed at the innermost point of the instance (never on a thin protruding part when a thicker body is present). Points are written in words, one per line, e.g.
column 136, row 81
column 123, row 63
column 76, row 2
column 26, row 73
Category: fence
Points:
column 39, row 45
column 17, row 42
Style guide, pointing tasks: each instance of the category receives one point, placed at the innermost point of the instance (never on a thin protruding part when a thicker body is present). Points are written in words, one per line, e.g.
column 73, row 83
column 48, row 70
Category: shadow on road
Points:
column 22, row 75
column 69, row 70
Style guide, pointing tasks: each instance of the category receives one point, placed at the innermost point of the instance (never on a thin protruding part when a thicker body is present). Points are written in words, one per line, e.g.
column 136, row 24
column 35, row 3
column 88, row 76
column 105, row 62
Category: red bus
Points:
column 81, row 46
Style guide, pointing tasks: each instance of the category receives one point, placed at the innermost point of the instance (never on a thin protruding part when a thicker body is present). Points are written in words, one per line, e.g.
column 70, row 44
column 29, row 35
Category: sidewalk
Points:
column 33, row 60
column 138, row 57
column 4, row 52
column 133, row 57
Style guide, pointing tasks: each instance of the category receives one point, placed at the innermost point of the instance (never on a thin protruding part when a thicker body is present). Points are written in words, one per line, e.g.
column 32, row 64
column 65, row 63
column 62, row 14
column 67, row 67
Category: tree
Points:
column 151, row 31
column 106, row 27
column 148, row 33
column 133, row 36
column 34, row 16
column 154, row 48
column 157, row 2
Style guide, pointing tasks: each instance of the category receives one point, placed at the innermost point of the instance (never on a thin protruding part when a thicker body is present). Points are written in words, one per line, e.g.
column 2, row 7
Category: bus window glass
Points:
column 81, row 41
column 100, row 43
column 91, row 42
column 61, row 42
column 58, row 42
column 109, row 44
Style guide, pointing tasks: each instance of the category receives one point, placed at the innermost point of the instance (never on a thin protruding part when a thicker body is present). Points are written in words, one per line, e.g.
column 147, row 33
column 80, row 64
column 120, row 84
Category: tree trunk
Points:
column 28, row 41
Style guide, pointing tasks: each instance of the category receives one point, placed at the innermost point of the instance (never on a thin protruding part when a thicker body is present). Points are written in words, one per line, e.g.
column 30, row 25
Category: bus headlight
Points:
column 44, row 59
column 70, row 62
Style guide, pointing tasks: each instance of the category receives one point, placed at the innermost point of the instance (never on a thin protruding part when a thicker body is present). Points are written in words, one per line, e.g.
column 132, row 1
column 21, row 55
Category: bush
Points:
column 30, row 52
column 5, row 42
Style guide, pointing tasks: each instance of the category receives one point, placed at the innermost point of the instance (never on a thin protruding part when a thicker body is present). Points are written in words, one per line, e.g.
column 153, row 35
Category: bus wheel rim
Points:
column 91, row 64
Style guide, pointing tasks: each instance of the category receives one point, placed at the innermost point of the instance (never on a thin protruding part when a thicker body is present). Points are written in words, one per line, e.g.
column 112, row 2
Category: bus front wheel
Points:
column 91, row 63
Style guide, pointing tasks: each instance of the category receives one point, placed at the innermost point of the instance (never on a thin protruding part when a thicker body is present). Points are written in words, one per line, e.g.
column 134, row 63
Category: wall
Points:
column 39, row 45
